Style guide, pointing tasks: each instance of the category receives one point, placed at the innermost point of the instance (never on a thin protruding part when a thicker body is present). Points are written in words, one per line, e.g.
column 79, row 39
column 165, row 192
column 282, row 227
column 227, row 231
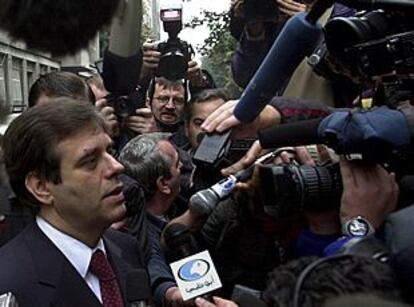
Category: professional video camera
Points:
column 375, row 48
column 175, row 53
column 290, row 188
column 125, row 106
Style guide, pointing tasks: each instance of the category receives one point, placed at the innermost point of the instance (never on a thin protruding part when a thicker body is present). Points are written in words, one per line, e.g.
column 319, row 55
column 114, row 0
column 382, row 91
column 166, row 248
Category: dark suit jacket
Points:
column 38, row 274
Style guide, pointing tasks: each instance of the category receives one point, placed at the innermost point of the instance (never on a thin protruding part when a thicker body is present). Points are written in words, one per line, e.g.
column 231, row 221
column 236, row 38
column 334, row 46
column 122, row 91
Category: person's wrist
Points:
column 269, row 117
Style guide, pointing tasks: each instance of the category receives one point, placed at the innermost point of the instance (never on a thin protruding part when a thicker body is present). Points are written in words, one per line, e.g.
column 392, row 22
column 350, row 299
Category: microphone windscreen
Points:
column 175, row 235
column 297, row 39
column 60, row 27
column 295, row 134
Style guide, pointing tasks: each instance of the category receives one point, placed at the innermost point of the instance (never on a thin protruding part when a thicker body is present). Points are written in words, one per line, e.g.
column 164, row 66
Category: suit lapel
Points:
column 59, row 282
column 72, row 290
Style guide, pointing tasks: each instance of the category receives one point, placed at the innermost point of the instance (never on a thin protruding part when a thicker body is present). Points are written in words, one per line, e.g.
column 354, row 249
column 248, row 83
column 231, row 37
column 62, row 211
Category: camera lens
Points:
column 321, row 186
column 288, row 189
column 344, row 32
column 173, row 66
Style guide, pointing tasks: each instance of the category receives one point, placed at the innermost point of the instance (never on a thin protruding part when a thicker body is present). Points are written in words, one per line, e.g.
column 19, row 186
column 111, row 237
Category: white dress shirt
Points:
column 77, row 252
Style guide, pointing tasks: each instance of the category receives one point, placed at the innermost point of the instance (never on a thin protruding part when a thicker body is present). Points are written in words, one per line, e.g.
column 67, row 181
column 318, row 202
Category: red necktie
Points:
column 110, row 293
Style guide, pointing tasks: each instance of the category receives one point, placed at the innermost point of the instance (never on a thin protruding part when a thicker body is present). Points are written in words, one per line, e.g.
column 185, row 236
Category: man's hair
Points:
column 144, row 162
column 31, row 139
column 325, row 278
column 204, row 97
column 60, row 84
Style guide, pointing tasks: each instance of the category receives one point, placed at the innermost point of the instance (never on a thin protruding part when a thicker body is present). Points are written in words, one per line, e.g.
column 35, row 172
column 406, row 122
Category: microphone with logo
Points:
column 192, row 268
column 204, row 201
column 138, row 290
column 194, row 271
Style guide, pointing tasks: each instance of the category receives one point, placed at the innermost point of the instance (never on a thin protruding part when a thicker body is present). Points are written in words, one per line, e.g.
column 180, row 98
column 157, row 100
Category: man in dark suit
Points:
column 59, row 162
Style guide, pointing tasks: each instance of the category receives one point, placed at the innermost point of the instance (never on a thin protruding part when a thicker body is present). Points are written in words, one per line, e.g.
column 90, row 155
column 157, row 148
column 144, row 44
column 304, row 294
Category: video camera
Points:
column 175, row 53
column 291, row 188
column 372, row 47
column 376, row 48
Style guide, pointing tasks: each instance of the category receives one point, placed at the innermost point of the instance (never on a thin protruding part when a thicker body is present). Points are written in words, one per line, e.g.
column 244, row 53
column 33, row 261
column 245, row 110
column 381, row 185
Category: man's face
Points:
column 168, row 104
column 175, row 169
column 199, row 113
column 90, row 194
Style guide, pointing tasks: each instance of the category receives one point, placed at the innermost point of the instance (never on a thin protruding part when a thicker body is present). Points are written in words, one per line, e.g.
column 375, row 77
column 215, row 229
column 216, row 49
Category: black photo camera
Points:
column 175, row 53
column 125, row 106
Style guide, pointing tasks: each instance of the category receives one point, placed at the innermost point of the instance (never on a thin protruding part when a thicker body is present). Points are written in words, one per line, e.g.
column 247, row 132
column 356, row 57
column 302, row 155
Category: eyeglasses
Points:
column 177, row 101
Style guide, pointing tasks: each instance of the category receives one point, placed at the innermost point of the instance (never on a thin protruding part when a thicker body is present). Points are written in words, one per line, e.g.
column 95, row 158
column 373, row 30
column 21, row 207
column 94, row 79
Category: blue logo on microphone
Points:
column 228, row 184
column 193, row 270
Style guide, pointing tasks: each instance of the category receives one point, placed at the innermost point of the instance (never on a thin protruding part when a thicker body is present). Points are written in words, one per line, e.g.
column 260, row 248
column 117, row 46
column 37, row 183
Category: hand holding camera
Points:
column 368, row 191
column 290, row 7
column 142, row 122
column 194, row 74
column 109, row 116
column 151, row 58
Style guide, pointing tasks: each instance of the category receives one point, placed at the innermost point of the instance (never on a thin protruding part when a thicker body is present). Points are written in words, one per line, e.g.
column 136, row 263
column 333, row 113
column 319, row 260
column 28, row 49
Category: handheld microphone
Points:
column 137, row 288
column 178, row 239
column 204, row 201
column 297, row 39
column 194, row 271
column 295, row 134
column 57, row 26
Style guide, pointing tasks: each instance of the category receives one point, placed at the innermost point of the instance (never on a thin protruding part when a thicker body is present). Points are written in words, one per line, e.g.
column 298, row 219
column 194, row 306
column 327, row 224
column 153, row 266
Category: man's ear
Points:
column 147, row 102
column 39, row 188
column 163, row 186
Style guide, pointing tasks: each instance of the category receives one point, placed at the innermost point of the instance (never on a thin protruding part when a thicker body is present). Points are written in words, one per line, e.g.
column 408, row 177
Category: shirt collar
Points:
column 77, row 252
